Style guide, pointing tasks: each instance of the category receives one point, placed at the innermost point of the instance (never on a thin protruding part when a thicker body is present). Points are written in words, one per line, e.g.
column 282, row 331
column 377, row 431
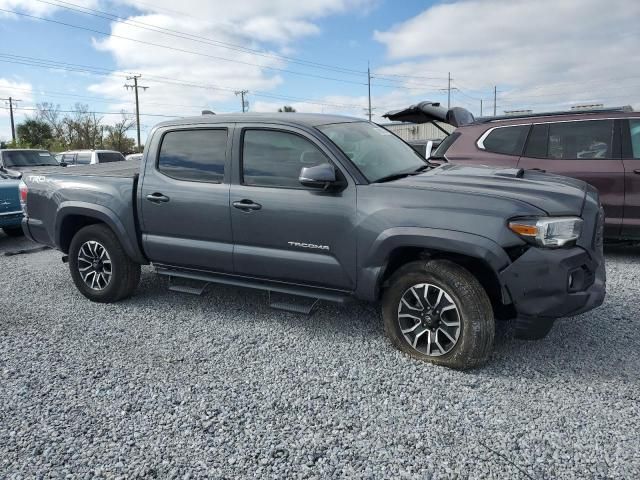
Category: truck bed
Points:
column 125, row 169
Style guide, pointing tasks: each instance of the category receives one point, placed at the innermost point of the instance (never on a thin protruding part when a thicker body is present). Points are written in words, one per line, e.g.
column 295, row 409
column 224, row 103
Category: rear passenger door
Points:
column 184, row 198
column 631, row 160
column 281, row 229
column 585, row 149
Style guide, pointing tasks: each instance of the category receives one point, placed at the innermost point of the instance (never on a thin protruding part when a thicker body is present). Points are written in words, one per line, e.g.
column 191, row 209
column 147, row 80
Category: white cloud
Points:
column 540, row 54
column 34, row 7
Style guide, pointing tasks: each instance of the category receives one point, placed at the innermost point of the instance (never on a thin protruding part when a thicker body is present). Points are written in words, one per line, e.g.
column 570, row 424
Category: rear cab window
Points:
column 194, row 155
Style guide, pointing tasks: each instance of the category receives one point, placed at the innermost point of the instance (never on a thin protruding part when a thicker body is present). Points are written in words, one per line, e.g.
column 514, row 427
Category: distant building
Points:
column 417, row 131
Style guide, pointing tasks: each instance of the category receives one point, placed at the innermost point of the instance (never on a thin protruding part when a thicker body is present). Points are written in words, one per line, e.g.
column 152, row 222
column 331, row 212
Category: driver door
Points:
column 282, row 230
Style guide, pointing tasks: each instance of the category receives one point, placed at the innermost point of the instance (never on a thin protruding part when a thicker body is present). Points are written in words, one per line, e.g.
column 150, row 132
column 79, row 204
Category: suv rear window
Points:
column 194, row 155
column 580, row 140
column 107, row 157
column 506, row 140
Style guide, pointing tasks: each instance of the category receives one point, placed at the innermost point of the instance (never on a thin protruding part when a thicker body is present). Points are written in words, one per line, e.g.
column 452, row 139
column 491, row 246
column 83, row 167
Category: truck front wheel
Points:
column 99, row 266
column 438, row 312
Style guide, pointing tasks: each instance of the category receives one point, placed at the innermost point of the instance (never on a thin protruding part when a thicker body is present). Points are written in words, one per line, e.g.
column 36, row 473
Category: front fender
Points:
column 375, row 258
column 126, row 237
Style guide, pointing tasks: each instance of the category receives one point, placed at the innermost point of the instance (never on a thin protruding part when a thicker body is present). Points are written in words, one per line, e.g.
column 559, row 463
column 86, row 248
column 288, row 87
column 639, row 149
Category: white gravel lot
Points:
column 168, row 385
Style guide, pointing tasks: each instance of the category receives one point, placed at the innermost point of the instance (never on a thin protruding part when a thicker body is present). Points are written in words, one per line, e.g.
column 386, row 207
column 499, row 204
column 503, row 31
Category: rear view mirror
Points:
column 319, row 176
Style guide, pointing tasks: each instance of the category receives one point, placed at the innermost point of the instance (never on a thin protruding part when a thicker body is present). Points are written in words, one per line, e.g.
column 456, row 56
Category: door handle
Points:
column 157, row 198
column 637, row 171
column 247, row 205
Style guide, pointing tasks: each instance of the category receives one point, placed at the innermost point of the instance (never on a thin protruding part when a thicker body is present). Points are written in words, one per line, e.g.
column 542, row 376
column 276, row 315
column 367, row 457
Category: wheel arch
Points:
column 397, row 247
column 70, row 218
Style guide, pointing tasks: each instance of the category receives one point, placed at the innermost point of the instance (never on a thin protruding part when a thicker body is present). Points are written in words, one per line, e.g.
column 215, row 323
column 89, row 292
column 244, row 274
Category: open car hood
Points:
column 425, row 112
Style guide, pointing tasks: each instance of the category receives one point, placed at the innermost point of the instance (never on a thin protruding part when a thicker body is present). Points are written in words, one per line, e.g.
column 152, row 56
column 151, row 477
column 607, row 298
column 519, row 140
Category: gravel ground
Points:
column 168, row 385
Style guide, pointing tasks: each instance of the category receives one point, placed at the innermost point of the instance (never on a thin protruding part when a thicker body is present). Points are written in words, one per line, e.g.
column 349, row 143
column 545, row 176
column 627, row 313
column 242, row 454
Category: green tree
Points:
column 34, row 133
column 287, row 108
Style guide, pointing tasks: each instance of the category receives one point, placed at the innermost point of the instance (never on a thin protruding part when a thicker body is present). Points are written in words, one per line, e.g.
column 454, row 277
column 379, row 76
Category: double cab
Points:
column 332, row 208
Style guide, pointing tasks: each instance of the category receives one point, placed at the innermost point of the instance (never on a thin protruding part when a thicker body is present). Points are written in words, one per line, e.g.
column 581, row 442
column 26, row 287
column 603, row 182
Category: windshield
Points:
column 374, row 150
column 27, row 158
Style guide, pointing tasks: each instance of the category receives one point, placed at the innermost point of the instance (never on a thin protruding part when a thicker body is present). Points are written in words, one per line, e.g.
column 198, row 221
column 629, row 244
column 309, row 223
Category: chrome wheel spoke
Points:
column 94, row 265
column 428, row 309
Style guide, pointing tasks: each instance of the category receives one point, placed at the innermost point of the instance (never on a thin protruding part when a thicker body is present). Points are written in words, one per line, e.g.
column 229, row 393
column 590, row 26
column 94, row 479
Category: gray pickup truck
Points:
column 332, row 208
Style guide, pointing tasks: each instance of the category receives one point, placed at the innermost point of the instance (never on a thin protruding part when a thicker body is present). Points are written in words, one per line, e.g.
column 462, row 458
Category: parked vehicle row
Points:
column 601, row 147
column 88, row 157
column 332, row 208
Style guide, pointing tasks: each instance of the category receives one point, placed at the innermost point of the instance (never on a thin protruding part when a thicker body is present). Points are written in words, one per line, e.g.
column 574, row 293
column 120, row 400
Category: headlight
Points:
column 549, row 232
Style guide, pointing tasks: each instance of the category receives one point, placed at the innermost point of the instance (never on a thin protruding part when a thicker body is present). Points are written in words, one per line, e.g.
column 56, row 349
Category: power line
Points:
column 36, row 109
column 74, row 67
column 182, row 50
column 197, row 38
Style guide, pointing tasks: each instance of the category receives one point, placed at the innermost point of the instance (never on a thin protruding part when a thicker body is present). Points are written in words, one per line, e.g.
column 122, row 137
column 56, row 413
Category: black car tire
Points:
column 125, row 274
column 13, row 231
column 477, row 326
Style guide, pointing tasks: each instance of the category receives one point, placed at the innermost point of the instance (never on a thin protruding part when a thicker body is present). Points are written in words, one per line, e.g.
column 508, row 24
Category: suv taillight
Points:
column 23, row 196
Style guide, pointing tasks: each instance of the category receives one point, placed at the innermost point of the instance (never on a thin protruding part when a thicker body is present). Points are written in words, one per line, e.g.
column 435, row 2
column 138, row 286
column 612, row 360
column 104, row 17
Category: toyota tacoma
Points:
column 332, row 208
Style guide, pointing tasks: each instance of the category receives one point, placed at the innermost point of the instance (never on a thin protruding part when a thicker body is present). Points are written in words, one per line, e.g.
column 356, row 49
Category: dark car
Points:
column 331, row 208
column 19, row 159
column 601, row 147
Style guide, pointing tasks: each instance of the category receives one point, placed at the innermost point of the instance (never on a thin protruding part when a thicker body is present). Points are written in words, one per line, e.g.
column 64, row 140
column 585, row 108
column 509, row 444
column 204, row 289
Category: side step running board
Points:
column 193, row 287
column 292, row 303
column 198, row 278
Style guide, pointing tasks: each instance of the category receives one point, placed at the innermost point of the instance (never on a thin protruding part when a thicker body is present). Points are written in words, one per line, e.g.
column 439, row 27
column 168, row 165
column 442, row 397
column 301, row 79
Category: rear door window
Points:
column 580, row 140
column 69, row 158
column 506, row 140
column 107, row 157
column 196, row 155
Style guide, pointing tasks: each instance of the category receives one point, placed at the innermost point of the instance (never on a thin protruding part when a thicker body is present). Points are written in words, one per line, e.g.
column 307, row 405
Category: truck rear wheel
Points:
column 13, row 231
column 438, row 312
column 99, row 266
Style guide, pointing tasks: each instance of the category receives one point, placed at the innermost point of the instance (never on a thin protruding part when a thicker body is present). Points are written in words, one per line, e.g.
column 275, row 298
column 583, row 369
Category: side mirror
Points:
column 428, row 149
column 63, row 164
column 319, row 176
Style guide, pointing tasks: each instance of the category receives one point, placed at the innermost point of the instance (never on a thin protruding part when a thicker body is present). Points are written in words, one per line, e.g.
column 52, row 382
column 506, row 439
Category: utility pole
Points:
column 135, row 87
column 449, row 92
column 369, row 86
column 480, row 107
column 242, row 93
column 13, row 127
column 495, row 97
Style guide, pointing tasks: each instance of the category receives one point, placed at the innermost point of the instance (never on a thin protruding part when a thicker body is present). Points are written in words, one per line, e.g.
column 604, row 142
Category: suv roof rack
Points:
column 624, row 109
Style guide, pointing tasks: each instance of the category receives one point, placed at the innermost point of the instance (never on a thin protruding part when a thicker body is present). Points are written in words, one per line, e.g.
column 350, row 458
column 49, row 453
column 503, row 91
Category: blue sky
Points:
column 586, row 52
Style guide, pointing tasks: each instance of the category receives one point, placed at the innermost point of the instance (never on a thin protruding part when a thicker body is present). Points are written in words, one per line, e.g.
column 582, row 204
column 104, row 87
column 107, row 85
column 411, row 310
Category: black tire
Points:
column 474, row 340
column 125, row 274
column 13, row 231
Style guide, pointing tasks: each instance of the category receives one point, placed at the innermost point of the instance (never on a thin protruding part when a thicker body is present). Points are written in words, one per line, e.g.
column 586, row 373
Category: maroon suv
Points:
column 601, row 147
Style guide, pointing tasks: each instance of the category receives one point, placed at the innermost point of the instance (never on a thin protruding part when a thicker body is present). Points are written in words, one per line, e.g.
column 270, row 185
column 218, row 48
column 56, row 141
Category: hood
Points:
column 9, row 195
column 555, row 194
column 425, row 112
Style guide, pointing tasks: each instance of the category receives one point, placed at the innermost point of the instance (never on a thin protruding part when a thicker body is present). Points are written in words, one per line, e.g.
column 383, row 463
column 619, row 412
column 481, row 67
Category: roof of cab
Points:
column 304, row 119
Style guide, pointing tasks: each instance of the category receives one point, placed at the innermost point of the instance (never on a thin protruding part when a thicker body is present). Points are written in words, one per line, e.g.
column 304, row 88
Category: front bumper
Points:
column 555, row 283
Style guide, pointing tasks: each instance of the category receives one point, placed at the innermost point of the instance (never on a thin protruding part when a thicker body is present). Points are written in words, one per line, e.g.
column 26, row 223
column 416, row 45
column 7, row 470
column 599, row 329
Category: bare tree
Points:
column 116, row 138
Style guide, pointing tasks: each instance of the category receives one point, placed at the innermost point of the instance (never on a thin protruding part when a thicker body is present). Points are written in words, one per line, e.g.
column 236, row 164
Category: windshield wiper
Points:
column 393, row 176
